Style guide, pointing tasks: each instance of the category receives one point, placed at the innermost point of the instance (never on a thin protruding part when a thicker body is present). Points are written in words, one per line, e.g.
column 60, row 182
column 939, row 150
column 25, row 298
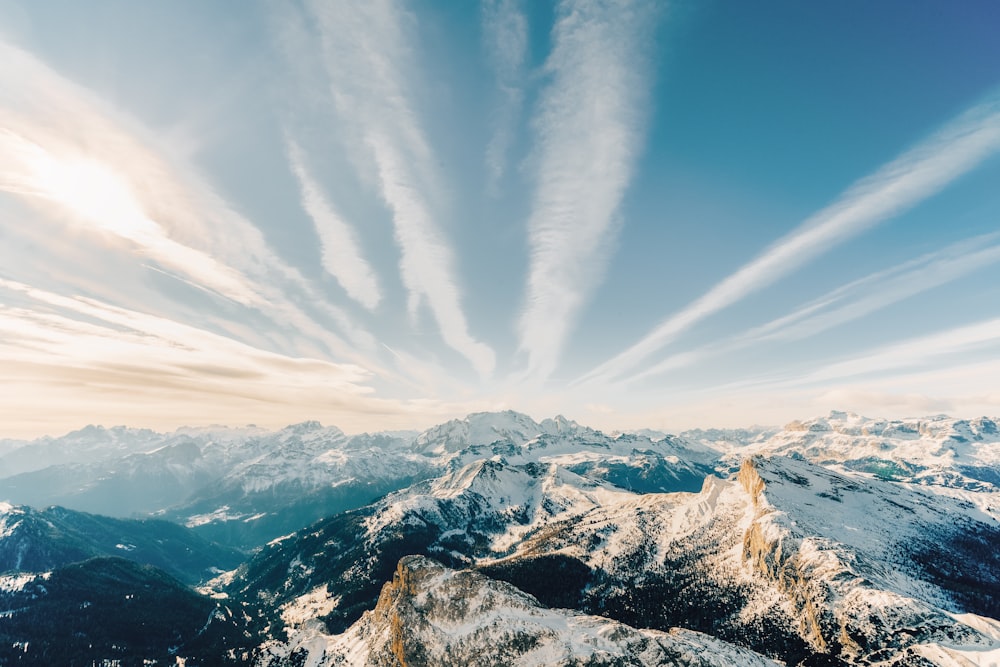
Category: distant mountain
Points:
column 726, row 439
column 43, row 540
column 630, row 461
column 296, row 476
column 89, row 444
column 937, row 451
column 244, row 487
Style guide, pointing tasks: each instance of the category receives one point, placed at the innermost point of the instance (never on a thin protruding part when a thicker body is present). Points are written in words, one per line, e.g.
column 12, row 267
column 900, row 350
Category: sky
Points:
column 383, row 214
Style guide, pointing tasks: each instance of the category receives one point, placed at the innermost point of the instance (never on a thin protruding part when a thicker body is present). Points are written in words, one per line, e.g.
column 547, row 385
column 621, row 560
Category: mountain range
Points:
column 496, row 539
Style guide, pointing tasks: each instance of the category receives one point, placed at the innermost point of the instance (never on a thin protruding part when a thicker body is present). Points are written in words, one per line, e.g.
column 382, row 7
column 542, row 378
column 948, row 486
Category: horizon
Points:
column 832, row 414
column 387, row 215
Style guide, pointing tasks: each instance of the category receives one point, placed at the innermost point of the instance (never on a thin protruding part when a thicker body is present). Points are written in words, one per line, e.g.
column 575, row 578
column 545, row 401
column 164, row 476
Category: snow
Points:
column 951, row 655
column 221, row 514
column 517, row 499
column 462, row 613
column 10, row 519
column 13, row 583
column 948, row 656
column 315, row 603
column 936, row 451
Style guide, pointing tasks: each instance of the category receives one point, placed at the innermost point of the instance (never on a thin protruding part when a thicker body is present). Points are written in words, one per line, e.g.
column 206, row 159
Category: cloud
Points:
column 366, row 54
column 589, row 127
column 91, row 168
column 912, row 353
column 867, row 401
column 505, row 38
column 914, row 176
column 966, row 354
column 852, row 301
column 91, row 194
column 342, row 257
column 73, row 360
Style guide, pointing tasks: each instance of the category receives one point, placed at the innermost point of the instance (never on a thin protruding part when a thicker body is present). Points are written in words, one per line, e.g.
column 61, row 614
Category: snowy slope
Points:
column 482, row 510
column 431, row 615
column 246, row 486
column 791, row 558
column 788, row 558
column 841, row 541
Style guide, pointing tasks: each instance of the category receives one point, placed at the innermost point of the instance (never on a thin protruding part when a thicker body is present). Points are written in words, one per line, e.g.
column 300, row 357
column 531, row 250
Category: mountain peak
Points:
column 430, row 614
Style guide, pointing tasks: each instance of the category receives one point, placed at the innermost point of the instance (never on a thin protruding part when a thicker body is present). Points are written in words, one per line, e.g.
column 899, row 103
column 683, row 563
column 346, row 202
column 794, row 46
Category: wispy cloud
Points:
column 70, row 360
column 91, row 167
column 590, row 127
column 367, row 54
column 94, row 195
column 852, row 301
column 505, row 37
column 969, row 350
column 901, row 184
column 341, row 254
column 913, row 353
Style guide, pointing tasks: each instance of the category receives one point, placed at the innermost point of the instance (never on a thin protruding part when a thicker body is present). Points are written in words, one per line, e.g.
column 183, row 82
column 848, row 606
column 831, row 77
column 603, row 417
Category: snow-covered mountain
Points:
column 89, row 444
column 432, row 615
column 243, row 487
column 936, row 451
column 789, row 558
column 786, row 558
column 635, row 462
column 836, row 541
column 238, row 486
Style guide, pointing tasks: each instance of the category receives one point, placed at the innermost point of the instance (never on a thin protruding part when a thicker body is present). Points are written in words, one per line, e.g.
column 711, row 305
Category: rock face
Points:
column 431, row 615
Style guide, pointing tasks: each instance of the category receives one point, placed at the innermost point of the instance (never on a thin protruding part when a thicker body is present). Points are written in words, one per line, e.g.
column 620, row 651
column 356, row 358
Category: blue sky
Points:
column 385, row 214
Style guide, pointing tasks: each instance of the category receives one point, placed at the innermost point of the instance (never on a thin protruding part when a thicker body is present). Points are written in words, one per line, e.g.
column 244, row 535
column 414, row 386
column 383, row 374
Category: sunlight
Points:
column 91, row 191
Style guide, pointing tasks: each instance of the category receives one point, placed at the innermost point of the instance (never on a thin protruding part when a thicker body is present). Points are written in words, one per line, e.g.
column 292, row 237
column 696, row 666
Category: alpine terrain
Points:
column 499, row 540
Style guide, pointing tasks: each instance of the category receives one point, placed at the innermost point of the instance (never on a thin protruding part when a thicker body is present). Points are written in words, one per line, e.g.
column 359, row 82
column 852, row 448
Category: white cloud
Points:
column 968, row 352
column 367, row 54
column 93, row 195
column 341, row 254
column 850, row 302
column 505, row 36
column 912, row 353
column 86, row 165
column 70, row 360
column 590, row 130
column 919, row 173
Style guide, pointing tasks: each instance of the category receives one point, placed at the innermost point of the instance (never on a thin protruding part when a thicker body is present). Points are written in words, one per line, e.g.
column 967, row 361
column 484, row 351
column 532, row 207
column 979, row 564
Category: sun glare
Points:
column 93, row 192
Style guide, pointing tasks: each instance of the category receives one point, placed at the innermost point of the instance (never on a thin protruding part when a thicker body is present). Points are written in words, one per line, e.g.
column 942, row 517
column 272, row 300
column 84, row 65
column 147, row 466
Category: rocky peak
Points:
column 432, row 615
